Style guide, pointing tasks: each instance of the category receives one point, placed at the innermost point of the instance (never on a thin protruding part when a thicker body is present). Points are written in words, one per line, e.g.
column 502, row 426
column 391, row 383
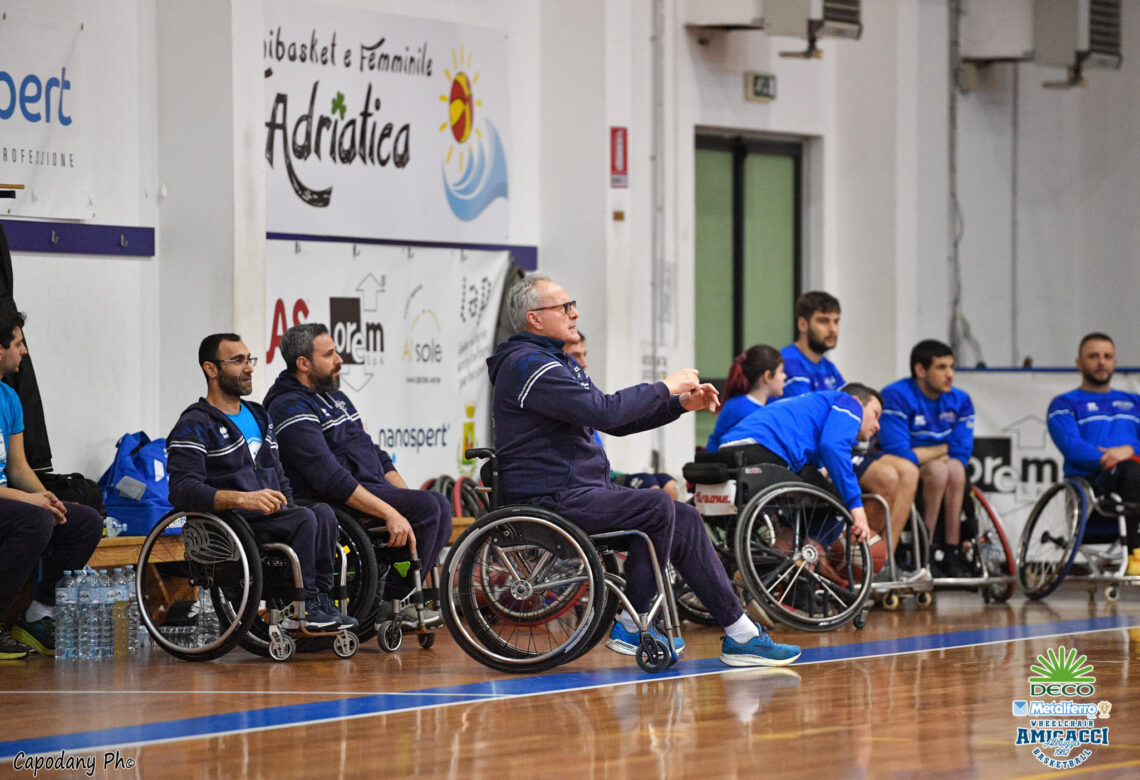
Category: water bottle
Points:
column 87, row 616
column 208, row 626
column 106, row 641
column 135, row 632
column 112, row 527
column 122, row 631
column 66, row 625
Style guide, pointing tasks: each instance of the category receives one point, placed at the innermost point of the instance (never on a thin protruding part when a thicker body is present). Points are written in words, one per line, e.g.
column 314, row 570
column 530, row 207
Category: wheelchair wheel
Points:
column 426, row 641
column 992, row 553
column 1049, row 540
column 522, row 589
column 218, row 553
column 345, row 644
column 801, row 582
column 613, row 572
column 689, row 607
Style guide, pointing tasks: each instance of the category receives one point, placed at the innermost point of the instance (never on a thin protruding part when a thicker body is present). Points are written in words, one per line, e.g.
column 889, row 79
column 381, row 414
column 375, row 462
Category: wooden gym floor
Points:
column 917, row 692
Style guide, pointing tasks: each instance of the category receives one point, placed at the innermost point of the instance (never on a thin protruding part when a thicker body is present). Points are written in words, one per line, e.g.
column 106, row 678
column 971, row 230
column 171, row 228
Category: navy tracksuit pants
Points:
column 29, row 532
column 311, row 532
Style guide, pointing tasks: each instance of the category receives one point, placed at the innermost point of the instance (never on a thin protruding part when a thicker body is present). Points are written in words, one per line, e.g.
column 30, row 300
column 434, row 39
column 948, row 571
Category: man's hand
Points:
column 265, row 501
column 49, row 502
column 683, row 381
column 399, row 531
column 1113, row 455
column 704, row 396
column 860, row 529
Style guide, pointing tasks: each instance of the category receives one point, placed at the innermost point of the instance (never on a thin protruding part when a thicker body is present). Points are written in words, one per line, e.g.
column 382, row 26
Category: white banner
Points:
column 44, row 91
column 414, row 327
column 1014, row 458
column 385, row 126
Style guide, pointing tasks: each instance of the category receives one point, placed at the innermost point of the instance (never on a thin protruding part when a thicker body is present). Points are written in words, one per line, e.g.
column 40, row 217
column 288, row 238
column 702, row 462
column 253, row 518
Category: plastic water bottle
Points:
column 136, row 633
column 87, row 617
column 122, row 630
column 112, row 527
column 66, row 618
column 106, row 641
column 208, row 626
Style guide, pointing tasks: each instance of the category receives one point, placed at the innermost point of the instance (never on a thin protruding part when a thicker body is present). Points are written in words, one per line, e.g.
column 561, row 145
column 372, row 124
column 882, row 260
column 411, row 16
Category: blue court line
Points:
column 506, row 687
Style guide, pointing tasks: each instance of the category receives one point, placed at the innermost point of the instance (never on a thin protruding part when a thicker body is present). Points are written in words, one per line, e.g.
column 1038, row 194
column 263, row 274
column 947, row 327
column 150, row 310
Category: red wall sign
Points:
column 619, row 157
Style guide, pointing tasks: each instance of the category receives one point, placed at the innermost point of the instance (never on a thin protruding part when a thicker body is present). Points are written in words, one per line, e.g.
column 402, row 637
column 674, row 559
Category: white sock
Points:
column 628, row 623
column 38, row 610
column 742, row 630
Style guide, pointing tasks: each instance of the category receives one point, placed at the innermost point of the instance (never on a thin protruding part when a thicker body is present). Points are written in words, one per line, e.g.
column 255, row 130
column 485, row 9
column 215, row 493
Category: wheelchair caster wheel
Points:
column 987, row 595
column 924, row 599
column 860, row 620
column 890, row 601
column 653, row 654
column 390, row 636
column 1111, row 594
column 426, row 641
column 346, row 644
column 281, row 648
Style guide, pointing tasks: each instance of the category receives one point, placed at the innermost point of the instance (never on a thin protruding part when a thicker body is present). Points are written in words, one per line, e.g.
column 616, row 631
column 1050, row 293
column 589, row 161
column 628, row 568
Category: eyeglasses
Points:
column 240, row 360
column 566, row 307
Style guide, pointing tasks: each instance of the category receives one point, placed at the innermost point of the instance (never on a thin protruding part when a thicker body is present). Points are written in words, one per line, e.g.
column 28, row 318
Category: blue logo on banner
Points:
column 484, row 180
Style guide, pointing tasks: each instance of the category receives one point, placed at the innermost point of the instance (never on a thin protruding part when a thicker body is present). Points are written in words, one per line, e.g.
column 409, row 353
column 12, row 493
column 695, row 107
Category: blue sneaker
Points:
column 758, row 651
column 627, row 642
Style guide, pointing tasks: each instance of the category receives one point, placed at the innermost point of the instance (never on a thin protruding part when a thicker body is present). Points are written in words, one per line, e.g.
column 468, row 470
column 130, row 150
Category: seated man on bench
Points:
column 222, row 454
column 34, row 524
column 328, row 456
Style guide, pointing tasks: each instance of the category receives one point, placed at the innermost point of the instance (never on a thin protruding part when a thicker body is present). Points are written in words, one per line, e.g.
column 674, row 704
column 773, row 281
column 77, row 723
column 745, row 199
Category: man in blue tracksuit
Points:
column 328, row 456
column 817, row 429
column 1097, row 429
column 545, row 410
column 930, row 422
column 222, row 454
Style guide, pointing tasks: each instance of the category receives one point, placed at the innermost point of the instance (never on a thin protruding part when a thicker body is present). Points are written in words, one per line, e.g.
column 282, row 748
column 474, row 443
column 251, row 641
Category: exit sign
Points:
column 760, row 87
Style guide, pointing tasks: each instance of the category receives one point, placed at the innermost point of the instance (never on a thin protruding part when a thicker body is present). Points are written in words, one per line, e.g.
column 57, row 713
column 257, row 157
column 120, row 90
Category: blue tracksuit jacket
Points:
column 805, row 376
column 1080, row 422
column 910, row 419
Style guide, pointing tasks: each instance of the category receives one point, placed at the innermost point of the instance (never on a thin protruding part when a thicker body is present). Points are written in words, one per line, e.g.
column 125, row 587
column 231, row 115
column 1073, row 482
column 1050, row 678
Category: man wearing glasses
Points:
column 545, row 411
column 222, row 454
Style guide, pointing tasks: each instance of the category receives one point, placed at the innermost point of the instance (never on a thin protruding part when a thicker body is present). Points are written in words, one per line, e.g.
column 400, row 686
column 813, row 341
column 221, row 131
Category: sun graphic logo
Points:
column 475, row 168
column 1059, row 672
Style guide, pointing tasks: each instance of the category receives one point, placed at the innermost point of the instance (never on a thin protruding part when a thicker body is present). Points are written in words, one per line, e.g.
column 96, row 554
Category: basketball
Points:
column 878, row 556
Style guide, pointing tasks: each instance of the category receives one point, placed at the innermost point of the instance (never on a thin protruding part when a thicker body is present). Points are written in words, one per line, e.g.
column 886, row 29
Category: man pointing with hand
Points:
column 545, row 410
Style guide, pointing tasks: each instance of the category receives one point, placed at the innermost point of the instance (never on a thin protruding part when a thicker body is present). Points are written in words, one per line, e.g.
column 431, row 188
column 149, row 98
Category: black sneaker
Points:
column 343, row 621
column 316, row 617
column 40, row 635
column 10, row 649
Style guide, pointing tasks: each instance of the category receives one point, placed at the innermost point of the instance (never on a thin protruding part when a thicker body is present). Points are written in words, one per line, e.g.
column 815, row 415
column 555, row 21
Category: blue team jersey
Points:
column 816, row 428
column 805, row 375
column 910, row 420
column 734, row 410
column 247, row 424
column 11, row 423
column 1081, row 422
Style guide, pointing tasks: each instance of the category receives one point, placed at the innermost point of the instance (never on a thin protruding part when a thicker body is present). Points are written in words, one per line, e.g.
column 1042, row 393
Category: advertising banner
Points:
column 1014, row 459
column 385, row 126
column 414, row 327
column 44, row 127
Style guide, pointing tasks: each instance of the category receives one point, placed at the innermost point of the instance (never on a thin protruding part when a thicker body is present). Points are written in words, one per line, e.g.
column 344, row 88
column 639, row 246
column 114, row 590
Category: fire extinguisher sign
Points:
column 619, row 157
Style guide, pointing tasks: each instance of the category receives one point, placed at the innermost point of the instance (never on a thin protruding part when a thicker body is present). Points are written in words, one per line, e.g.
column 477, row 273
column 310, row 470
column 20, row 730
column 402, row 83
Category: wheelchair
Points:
column 1073, row 533
column 254, row 586
column 525, row 590
column 984, row 544
column 783, row 540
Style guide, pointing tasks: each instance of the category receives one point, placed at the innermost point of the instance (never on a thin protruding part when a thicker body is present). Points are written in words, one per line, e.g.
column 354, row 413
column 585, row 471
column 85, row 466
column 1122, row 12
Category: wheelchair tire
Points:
column 992, row 549
column 689, row 607
column 1049, row 540
column 218, row 552
column 522, row 589
column 464, row 499
column 799, row 583
column 613, row 573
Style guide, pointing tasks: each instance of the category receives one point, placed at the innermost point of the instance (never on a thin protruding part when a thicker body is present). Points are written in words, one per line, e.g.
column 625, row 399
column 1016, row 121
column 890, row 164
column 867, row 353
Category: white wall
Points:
column 114, row 339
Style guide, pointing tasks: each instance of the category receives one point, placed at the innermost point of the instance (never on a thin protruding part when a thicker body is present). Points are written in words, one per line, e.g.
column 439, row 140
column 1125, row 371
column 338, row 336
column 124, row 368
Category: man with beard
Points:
column 930, row 422
column 328, row 456
column 34, row 524
column 222, row 454
column 1097, row 429
column 892, row 477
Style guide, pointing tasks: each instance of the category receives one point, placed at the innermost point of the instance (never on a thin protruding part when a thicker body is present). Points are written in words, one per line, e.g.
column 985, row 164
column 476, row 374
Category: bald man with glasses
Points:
column 545, row 411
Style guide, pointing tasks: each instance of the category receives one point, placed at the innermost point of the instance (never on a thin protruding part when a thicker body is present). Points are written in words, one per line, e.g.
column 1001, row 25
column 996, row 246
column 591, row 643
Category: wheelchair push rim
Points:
column 212, row 553
column 800, row 582
column 522, row 589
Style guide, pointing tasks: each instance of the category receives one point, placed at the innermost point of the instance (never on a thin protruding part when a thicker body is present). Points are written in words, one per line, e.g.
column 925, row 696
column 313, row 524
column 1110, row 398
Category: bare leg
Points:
column 935, row 474
column 952, row 502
